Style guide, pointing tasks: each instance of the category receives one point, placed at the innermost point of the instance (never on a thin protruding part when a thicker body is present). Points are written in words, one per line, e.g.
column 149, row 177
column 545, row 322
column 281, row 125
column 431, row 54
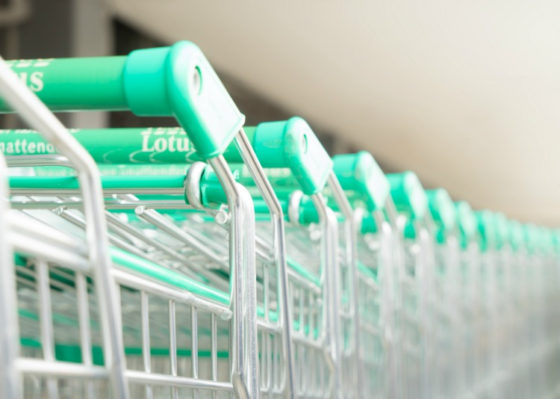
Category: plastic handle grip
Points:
column 408, row 194
column 111, row 146
column 67, row 84
column 169, row 81
column 291, row 144
column 359, row 173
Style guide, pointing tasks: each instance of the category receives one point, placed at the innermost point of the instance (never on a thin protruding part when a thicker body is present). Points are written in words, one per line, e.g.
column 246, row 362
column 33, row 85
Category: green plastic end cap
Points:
column 360, row 173
column 466, row 220
column 556, row 239
column 179, row 81
column 544, row 240
column 442, row 209
column 408, row 194
column 528, row 237
column 368, row 225
column 502, row 229
column 486, row 221
column 292, row 144
column 515, row 234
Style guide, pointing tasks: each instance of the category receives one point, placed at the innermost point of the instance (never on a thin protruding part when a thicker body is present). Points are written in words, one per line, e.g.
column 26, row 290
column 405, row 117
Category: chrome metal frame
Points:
column 34, row 112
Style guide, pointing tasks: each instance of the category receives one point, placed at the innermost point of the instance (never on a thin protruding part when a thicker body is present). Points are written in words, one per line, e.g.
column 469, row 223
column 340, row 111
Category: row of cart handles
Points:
column 242, row 162
column 289, row 144
column 178, row 81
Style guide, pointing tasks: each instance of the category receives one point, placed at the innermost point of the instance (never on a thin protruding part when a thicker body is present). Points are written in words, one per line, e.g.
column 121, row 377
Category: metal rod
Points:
column 34, row 112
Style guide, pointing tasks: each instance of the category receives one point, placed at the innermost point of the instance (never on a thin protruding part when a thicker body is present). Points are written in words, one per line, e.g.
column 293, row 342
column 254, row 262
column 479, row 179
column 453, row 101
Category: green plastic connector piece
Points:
column 467, row 223
column 360, row 174
column 442, row 210
column 528, row 238
column 211, row 191
column 368, row 225
column 408, row 194
column 556, row 240
column 502, row 230
column 487, row 229
column 515, row 234
column 291, row 144
column 179, row 81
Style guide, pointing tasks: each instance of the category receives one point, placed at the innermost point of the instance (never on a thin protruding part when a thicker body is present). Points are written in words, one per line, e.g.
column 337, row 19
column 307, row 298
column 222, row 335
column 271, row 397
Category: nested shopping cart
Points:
column 300, row 169
column 445, row 296
column 488, row 328
column 414, row 314
column 467, row 295
column 44, row 250
column 174, row 81
column 374, row 285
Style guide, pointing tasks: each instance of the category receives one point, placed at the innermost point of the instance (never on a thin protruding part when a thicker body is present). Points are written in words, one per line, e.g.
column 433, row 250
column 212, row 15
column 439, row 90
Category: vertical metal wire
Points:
column 194, row 337
column 85, row 332
column 173, row 345
column 146, row 347
column 47, row 330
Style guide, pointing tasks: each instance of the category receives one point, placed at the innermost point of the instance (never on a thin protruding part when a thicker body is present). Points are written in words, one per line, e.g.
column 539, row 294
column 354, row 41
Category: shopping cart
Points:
column 299, row 169
column 467, row 295
column 488, row 328
column 445, row 282
column 152, row 82
column 414, row 313
column 374, row 283
column 43, row 253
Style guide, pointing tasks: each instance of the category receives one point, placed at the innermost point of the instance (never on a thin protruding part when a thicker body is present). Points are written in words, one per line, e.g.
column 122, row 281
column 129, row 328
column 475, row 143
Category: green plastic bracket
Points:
column 467, row 223
column 556, row 240
column 408, row 194
column 168, row 81
column 290, row 144
column 486, row 222
column 368, row 225
column 362, row 176
column 502, row 230
column 442, row 210
column 515, row 234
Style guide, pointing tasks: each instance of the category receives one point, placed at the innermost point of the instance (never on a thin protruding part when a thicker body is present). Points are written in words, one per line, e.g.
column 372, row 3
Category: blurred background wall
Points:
column 466, row 94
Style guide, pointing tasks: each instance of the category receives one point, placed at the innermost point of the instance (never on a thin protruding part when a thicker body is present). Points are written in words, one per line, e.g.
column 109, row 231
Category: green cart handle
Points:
column 442, row 209
column 362, row 178
column 408, row 195
column 111, row 146
column 467, row 223
column 286, row 144
column 173, row 81
column 290, row 144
